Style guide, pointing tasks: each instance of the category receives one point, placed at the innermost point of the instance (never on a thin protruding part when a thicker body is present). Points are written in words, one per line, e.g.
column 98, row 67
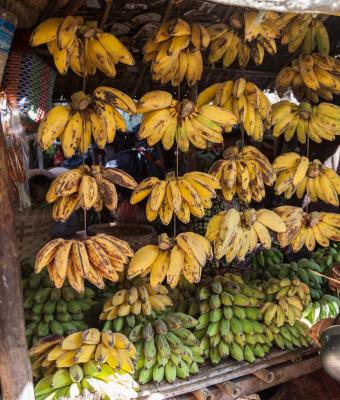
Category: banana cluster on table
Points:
column 50, row 311
column 181, row 122
column 86, row 187
column 181, row 196
column 310, row 77
column 107, row 347
column 175, row 52
column 166, row 348
column 81, row 46
column 296, row 174
column 185, row 255
column 245, row 100
column 326, row 307
column 327, row 257
column 94, row 259
column 235, row 234
column 307, row 33
column 229, row 320
column 92, row 377
column 289, row 336
column 307, row 229
column 122, row 310
column 243, row 172
column 320, row 122
column 87, row 116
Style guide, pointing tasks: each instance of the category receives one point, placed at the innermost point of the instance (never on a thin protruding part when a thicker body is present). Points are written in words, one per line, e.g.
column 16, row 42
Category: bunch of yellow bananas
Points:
column 243, row 99
column 185, row 195
column 95, row 259
column 307, row 228
column 175, row 52
column 244, row 172
column 186, row 255
column 137, row 299
column 80, row 46
column 169, row 120
column 286, row 301
column 247, row 35
column 296, row 174
column 310, row 77
column 86, row 117
column 307, row 32
column 87, row 188
column 55, row 352
column 315, row 122
column 236, row 233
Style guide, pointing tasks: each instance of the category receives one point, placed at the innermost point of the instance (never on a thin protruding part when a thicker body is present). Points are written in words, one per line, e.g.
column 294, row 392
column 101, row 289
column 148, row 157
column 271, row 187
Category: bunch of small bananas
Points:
column 236, row 233
column 175, row 52
column 53, row 311
column 166, row 348
column 289, row 336
column 307, row 228
column 285, row 301
column 306, row 121
column 243, row 99
column 248, row 35
column 182, row 196
column 310, row 77
column 182, row 122
column 306, row 32
column 296, row 174
column 82, row 47
column 243, row 172
column 229, row 320
column 327, row 306
column 109, row 347
column 86, row 188
column 186, row 255
column 138, row 299
column 95, row 259
column 91, row 377
column 86, row 117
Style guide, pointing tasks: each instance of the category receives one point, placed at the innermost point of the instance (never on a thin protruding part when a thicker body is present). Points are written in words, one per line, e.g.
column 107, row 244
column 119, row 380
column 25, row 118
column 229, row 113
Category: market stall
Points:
column 185, row 242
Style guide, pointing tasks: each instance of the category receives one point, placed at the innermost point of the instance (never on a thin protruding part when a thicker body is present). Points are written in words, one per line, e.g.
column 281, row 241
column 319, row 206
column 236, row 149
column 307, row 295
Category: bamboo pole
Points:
column 15, row 366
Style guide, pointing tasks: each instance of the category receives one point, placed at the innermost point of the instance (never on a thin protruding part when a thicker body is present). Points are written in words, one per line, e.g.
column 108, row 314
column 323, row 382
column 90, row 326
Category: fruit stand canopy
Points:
column 134, row 21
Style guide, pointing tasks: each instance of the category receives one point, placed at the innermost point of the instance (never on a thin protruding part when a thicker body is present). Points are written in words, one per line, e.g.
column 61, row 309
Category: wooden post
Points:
column 15, row 366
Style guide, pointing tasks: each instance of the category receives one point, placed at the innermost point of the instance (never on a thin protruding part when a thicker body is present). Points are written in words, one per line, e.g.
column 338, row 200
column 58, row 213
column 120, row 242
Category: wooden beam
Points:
column 15, row 366
column 309, row 6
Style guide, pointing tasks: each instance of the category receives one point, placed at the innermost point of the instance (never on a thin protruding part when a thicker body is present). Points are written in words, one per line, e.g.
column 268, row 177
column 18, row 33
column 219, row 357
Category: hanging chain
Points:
column 307, row 155
column 83, row 134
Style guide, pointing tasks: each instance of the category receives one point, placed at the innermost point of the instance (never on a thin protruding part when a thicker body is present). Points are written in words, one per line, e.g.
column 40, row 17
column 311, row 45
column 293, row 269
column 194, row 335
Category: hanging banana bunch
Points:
column 182, row 122
column 243, row 99
column 185, row 195
column 306, row 121
column 307, row 229
column 186, row 255
column 243, row 172
column 55, row 352
column 307, row 33
column 175, row 52
column 296, row 174
column 95, row 259
column 247, row 35
column 310, row 77
column 80, row 46
column 88, row 116
column 235, row 234
column 86, row 188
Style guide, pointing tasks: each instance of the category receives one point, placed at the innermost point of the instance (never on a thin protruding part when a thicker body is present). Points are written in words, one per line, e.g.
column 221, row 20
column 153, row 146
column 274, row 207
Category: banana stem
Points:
column 325, row 276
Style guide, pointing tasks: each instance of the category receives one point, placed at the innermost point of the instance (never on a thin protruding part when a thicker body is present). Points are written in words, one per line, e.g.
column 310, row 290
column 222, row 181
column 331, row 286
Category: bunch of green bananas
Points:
column 229, row 322
column 326, row 307
column 328, row 256
column 90, row 377
column 49, row 310
column 289, row 336
column 270, row 264
column 166, row 348
column 285, row 301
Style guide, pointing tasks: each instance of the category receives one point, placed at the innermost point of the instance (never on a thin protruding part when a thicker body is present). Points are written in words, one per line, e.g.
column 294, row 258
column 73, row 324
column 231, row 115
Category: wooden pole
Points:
column 15, row 366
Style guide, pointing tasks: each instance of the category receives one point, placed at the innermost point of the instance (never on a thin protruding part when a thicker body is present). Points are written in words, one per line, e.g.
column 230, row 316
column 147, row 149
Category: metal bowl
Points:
column 330, row 351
